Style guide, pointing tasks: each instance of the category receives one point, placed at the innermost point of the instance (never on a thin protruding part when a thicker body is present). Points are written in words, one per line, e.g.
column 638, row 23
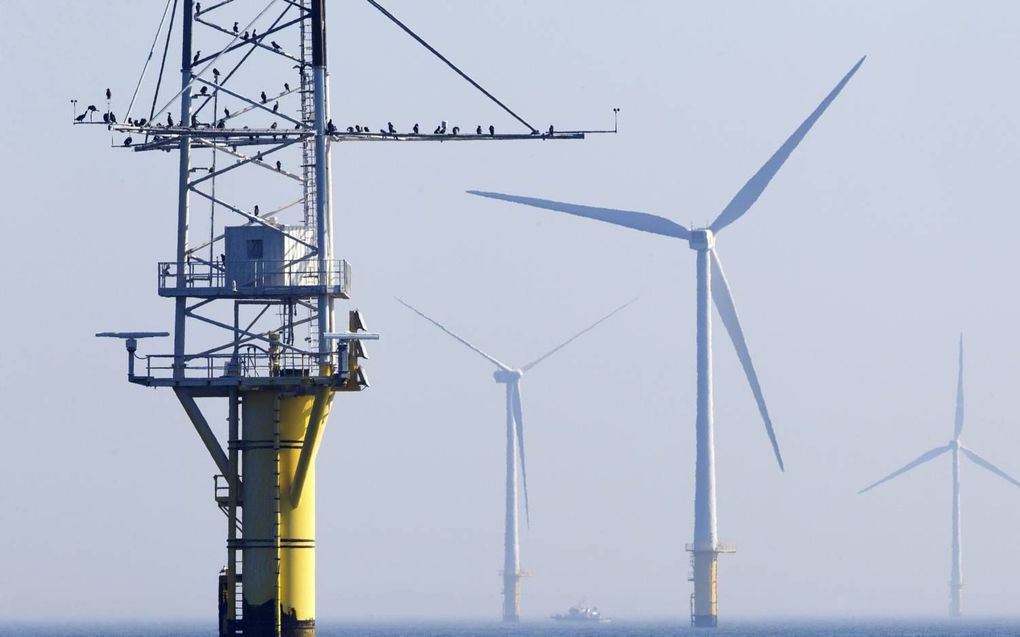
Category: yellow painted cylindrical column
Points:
column 279, row 538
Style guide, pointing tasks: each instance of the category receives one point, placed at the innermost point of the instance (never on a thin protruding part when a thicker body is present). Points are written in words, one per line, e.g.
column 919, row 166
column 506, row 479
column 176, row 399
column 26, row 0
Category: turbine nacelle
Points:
column 507, row 375
column 702, row 239
column 955, row 444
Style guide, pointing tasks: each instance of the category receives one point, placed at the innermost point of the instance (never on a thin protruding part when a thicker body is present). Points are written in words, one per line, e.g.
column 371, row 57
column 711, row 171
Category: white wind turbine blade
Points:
column 728, row 313
column 464, row 341
column 959, row 395
column 627, row 218
column 515, row 402
column 923, row 458
column 574, row 337
column 747, row 195
column 981, row 462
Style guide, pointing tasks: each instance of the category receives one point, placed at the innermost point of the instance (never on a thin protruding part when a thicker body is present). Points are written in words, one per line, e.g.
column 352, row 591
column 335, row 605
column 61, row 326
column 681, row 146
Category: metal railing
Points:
column 256, row 274
column 249, row 363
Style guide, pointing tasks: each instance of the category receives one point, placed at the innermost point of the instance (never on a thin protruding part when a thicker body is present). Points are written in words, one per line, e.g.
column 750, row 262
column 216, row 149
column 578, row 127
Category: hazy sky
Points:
column 889, row 231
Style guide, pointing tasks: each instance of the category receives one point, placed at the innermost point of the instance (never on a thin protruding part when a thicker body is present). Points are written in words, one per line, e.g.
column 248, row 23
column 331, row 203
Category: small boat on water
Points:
column 581, row 613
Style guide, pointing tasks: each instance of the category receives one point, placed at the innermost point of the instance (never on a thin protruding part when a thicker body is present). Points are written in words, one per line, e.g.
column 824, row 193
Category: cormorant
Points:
column 492, row 129
column 127, row 141
column 350, row 129
column 415, row 129
column 113, row 118
column 198, row 54
column 216, row 74
column 236, row 29
column 198, row 8
column 169, row 120
column 330, row 127
column 286, row 87
column 279, row 166
column 221, row 124
column 276, row 47
column 226, row 112
column 254, row 35
column 204, row 91
column 392, row 128
column 106, row 118
column 264, row 97
column 478, row 131
column 108, row 95
column 92, row 108
column 456, row 130
column 441, row 129
column 81, row 118
column 276, row 107
column 551, row 129
column 194, row 120
column 256, row 210
column 357, row 128
column 245, row 36
column 273, row 126
column 258, row 156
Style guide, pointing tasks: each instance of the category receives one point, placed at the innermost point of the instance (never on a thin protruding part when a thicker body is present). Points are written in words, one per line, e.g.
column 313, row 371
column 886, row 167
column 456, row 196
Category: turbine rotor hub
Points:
column 507, row 376
column 702, row 239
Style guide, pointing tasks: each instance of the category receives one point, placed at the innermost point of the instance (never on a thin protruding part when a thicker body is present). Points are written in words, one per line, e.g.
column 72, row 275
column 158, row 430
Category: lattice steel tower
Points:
column 254, row 285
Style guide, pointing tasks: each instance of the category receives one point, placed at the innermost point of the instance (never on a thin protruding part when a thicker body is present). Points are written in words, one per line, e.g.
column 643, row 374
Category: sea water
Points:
column 619, row 628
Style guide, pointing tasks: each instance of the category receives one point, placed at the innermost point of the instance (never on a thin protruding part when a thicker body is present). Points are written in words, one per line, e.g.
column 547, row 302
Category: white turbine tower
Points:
column 955, row 447
column 711, row 282
column 511, row 377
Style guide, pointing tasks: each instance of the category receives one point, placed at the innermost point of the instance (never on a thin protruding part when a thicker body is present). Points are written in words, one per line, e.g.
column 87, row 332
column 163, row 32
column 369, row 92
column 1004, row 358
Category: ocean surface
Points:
column 845, row 628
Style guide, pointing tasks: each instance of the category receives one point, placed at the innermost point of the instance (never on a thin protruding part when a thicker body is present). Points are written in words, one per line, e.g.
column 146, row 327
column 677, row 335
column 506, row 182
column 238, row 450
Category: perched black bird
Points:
column 357, row 129
column 108, row 95
column 205, row 90
column 415, row 129
column 194, row 120
column 113, row 118
column 478, row 131
column 131, row 122
column 143, row 122
column 392, row 128
column 350, row 129
column 492, row 129
column 245, row 36
column 226, row 112
column 276, row 47
column 551, row 129
column 81, row 118
column 279, row 166
column 169, row 120
column 264, row 98
column 198, row 54
column 276, row 107
column 254, row 35
column 330, row 128
column 236, row 29
column 216, row 74
column 456, row 130
column 258, row 156
column 382, row 131
column 256, row 210
column 286, row 87
column 198, row 8
column 92, row 108
column 106, row 118
column 366, row 128
column 127, row 141
column 221, row 124
column 273, row 126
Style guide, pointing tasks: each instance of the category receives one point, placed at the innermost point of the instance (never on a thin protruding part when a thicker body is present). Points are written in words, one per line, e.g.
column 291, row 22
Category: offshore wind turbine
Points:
column 954, row 447
column 511, row 377
column 711, row 282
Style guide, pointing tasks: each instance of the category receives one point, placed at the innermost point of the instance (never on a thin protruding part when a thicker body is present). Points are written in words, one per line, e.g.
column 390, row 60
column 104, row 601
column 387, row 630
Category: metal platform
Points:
column 269, row 279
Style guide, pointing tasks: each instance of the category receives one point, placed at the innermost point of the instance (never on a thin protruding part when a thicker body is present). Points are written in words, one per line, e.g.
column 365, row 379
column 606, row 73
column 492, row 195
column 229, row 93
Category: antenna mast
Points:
column 254, row 281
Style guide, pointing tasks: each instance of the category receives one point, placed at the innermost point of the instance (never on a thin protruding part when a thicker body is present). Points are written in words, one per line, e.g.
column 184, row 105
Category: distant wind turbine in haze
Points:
column 955, row 447
column 511, row 377
column 711, row 282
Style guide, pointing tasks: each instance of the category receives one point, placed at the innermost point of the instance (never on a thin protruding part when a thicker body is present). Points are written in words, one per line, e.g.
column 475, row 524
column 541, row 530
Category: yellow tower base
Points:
column 278, row 537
